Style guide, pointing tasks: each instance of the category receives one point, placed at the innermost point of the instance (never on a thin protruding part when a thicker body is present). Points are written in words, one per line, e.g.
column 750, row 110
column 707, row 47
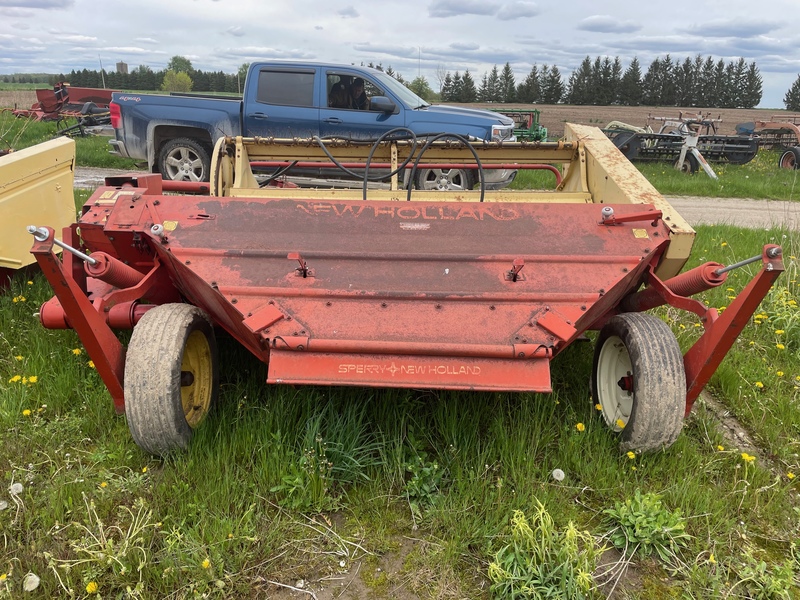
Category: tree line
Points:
column 693, row 82
column 697, row 81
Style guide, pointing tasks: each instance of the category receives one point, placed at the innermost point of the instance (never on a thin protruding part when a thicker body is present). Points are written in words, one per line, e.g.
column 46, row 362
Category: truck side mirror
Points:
column 382, row 104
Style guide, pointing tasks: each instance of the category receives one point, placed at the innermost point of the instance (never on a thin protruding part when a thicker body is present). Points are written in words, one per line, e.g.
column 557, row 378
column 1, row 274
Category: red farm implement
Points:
column 468, row 290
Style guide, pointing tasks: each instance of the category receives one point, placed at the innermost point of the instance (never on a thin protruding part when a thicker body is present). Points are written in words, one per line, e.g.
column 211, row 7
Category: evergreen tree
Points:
column 792, row 98
column 685, row 84
column 468, row 91
column 529, row 90
column 483, row 89
column 751, row 95
column 447, row 88
column 579, row 87
column 493, row 86
column 508, row 85
column 552, row 85
column 630, row 86
column 458, row 88
column 707, row 85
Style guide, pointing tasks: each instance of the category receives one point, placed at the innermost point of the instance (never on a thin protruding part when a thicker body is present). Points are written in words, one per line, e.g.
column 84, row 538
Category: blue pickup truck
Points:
column 175, row 133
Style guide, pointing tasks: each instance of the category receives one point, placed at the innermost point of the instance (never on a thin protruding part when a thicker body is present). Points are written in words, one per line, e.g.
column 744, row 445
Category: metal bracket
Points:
column 302, row 270
column 514, row 274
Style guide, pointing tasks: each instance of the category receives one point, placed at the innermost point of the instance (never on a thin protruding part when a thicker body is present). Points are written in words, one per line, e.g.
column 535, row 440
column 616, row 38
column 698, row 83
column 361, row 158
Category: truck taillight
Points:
column 116, row 115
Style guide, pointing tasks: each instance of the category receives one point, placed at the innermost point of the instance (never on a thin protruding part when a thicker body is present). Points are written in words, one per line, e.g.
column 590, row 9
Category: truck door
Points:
column 282, row 103
column 346, row 116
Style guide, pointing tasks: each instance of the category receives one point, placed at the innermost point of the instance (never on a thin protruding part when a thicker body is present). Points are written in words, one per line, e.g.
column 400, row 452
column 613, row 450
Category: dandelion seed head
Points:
column 16, row 489
column 558, row 474
column 31, row 582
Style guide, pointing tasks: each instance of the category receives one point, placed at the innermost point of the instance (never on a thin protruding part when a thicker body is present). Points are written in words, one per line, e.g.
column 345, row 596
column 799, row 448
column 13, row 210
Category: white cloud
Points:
column 607, row 24
column 38, row 3
column 456, row 8
column 348, row 12
column 235, row 31
column 517, row 10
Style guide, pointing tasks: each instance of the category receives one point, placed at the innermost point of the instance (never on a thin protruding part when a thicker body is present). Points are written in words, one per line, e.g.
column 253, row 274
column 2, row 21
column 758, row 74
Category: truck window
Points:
column 339, row 86
column 286, row 87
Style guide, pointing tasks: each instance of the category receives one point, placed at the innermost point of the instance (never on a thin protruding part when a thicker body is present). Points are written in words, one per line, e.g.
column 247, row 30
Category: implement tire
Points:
column 638, row 379
column 171, row 377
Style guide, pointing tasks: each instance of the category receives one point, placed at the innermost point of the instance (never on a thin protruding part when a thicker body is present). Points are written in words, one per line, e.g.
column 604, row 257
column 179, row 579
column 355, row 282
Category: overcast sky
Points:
column 413, row 37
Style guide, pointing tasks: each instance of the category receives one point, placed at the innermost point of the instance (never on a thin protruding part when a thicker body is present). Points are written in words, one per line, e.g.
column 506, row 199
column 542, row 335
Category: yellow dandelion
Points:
column 620, row 423
column 711, row 559
column 144, row 469
column 33, row 379
column 759, row 385
column 580, row 427
column 779, row 332
column 19, row 357
column 206, row 563
column 14, row 379
column 30, row 283
column 631, row 454
column 598, row 407
column 633, row 468
column 757, row 322
column 26, row 413
column 15, row 299
column 25, row 380
column 230, row 535
column 790, row 475
column 103, row 484
column 748, row 458
column 91, row 364
column 91, row 587
column 721, row 448
column 723, row 244
column 730, row 289
column 3, row 577
column 76, row 351
column 779, row 373
column 780, row 346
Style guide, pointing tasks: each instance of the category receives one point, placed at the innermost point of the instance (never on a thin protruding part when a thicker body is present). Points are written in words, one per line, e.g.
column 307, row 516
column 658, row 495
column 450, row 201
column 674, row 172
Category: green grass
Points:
column 283, row 484
column 90, row 151
column 759, row 179
column 249, row 501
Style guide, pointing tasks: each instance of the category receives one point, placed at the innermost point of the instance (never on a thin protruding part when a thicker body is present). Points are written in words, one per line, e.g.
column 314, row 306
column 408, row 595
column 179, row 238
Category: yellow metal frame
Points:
column 36, row 188
column 595, row 171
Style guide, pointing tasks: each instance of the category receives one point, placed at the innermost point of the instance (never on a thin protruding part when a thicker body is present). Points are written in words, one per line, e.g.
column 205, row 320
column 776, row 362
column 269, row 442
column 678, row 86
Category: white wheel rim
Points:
column 613, row 364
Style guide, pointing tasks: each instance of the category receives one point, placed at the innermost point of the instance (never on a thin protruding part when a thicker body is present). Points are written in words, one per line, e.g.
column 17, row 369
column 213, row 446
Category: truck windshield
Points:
column 406, row 96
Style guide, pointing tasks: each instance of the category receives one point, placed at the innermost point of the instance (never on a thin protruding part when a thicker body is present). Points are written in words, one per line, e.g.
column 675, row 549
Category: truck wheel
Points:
column 171, row 377
column 638, row 379
column 790, row 159
column 690, row 164
column 183, row 159
column 444, row 179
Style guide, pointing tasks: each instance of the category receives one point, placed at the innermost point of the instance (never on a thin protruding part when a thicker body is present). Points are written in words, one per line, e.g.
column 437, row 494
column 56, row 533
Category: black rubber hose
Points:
column 277, row 174
column 464, row 141
column 375, row 147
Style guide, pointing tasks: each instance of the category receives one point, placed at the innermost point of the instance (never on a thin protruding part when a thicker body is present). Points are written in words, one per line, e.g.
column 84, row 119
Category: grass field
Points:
column 290, row 492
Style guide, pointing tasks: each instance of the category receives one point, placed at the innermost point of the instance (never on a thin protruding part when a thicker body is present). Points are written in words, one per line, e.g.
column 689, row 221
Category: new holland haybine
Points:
column 466, row 290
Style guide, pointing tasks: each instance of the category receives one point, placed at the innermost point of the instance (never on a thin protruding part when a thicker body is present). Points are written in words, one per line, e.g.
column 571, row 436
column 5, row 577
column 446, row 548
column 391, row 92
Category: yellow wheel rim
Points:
column 197, row 376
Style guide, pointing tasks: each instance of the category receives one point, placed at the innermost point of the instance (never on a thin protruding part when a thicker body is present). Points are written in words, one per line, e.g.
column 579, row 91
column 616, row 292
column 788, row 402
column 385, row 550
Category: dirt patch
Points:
column 553, row 116
column 17, row 98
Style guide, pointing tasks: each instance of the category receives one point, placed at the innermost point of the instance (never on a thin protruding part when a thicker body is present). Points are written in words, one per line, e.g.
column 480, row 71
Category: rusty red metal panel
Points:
column 479, row 374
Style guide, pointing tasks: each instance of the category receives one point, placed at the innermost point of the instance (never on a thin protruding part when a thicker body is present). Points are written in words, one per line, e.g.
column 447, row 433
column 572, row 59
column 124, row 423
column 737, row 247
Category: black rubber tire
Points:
column 457, row 179
column 184, row 159
column 657, row 400
column 690, row 164
column 790, row 159
column 161, row 412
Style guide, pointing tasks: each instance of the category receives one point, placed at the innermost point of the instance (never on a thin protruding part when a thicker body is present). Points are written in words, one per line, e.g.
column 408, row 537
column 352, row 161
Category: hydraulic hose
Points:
column 461, row 139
